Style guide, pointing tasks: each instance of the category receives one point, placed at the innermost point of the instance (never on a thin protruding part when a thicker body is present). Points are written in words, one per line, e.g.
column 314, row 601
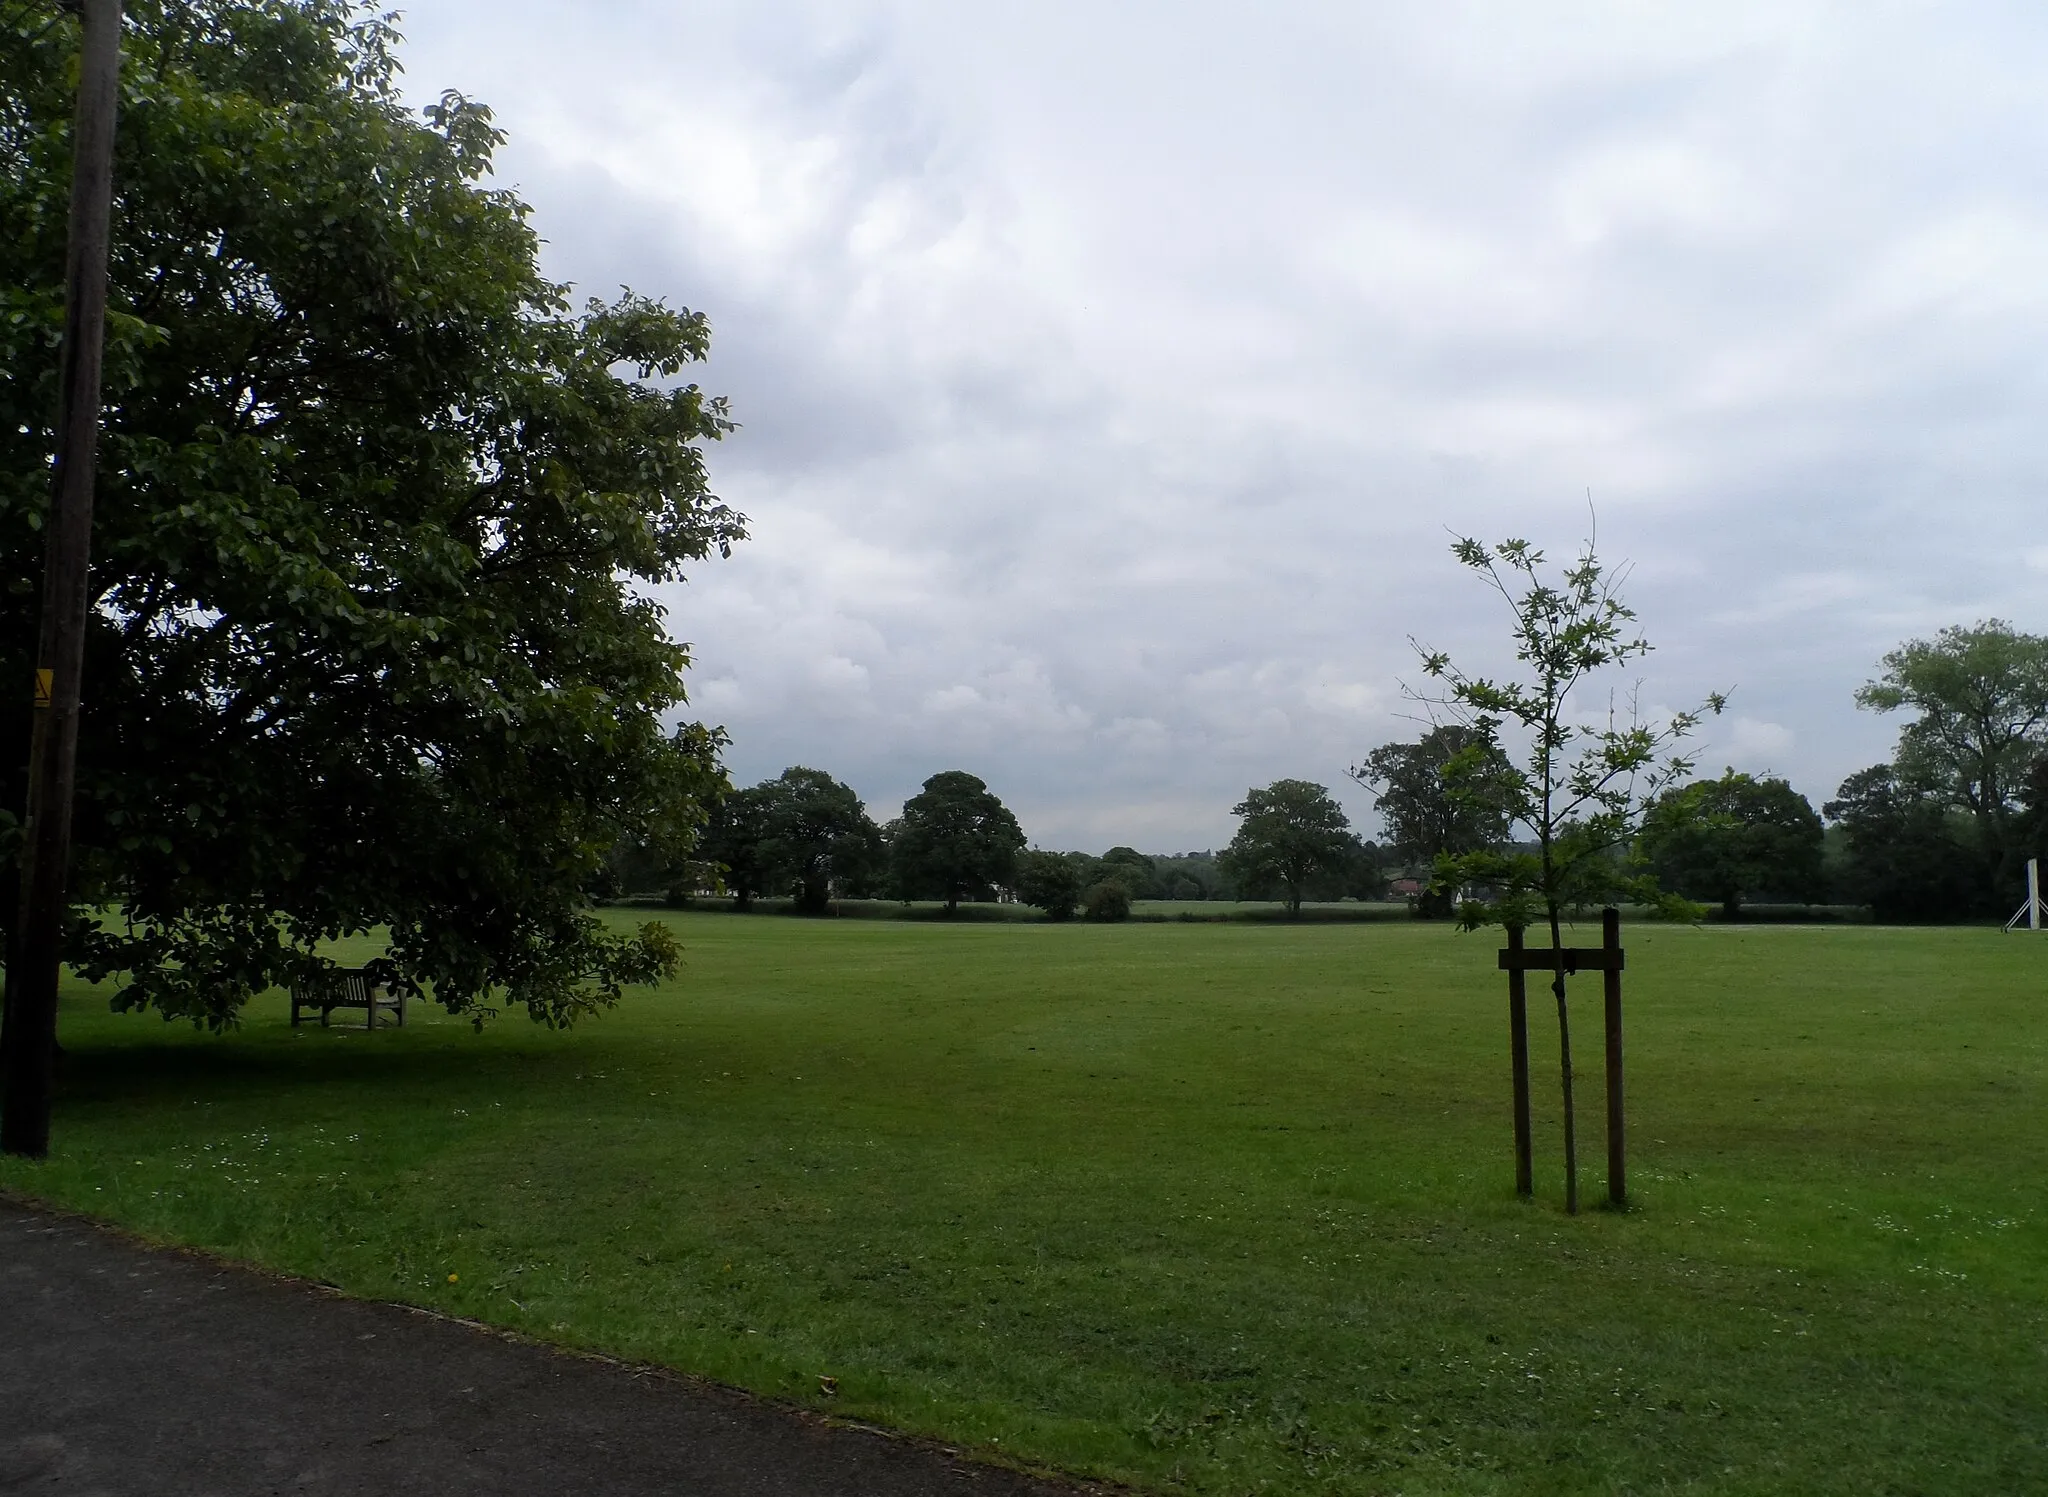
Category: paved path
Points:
column 125, row 1370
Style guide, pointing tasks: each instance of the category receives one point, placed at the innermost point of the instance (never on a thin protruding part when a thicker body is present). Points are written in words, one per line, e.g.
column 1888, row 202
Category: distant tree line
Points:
column 1942, row 831
column 808, row 838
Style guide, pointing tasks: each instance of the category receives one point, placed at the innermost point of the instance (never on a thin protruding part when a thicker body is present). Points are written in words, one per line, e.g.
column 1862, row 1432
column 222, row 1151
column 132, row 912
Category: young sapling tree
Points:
column 1583, row 780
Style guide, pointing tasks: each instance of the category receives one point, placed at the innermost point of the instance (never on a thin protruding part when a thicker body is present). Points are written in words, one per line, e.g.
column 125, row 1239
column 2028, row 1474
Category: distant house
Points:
column 1406, row 888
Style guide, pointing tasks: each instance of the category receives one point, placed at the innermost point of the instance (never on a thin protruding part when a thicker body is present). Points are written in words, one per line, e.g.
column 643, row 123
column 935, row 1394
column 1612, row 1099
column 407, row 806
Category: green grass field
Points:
column 1213, row 1208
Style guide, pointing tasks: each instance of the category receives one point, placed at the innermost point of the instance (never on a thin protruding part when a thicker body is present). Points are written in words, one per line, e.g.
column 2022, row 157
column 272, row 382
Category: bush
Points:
column 1108, row 901
column 1050, row 881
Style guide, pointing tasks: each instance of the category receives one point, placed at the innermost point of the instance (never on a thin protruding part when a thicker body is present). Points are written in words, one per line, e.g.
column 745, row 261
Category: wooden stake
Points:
column 1617, row 1164
column 1518, row 1046
column 30, row 1044
column 1608, row 959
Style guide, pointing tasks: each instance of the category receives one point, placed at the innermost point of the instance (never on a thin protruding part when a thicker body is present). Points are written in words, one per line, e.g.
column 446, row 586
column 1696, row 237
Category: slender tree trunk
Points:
column 1564, row 1045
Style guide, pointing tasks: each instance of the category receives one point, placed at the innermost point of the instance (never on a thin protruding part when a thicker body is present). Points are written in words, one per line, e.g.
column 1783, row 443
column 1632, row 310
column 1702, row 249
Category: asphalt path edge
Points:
column 760, row 1413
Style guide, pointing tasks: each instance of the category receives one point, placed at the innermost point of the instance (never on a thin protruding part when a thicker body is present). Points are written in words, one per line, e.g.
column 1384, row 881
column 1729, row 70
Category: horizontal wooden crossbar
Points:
column 1576, row 959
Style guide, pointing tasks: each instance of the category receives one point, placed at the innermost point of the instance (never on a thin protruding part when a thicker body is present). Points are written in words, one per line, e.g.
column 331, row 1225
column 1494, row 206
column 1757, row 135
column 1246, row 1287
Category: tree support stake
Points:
column 1517, row 960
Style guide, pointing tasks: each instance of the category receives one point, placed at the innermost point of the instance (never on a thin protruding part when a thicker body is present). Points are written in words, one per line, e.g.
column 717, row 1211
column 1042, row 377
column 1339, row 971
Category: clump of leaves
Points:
column 1107, row 902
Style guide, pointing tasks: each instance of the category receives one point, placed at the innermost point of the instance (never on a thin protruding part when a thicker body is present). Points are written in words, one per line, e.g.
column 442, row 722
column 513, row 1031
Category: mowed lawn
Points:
column 1213, row 1208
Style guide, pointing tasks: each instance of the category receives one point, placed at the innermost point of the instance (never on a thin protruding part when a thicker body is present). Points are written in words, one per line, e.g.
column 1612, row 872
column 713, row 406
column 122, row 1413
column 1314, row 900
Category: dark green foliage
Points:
column 1107, row 902
column 372, row 645
column 954, row 840
column 1981, row 698
column 1443, row 795
column 1190, row 875
column 1903, row 857
column 2030, row 831
column 733, row 840
column 1733, row 839
column 1290, row 834
column 816, row 836
column 1050, row 881
column 802, row 833
column 1137, row 873
column 1362, row 875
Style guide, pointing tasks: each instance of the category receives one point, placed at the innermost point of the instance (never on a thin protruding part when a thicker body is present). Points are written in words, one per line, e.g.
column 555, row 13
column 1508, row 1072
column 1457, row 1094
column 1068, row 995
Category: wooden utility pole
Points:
column 30, row 1042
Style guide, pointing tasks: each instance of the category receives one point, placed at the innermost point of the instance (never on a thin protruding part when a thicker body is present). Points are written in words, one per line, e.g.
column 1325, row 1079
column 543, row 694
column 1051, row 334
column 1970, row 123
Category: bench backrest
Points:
column 345, row 987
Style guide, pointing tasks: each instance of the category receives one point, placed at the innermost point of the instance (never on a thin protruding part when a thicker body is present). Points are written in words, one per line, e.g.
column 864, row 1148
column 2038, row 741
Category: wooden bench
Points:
column 348, row 987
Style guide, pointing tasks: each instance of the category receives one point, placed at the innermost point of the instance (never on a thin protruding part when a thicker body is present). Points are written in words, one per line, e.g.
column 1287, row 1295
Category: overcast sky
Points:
column 1112, row 374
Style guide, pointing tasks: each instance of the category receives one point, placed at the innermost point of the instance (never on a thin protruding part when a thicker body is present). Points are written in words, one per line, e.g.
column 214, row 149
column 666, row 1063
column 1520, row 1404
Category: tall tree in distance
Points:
column 734, row 844
column 1289, row 834
column 1051, row 881
column 1443, row 795
column 1137, row 873
column 1980, row 695
column 954, row 839
column 1727, row 839
column 817, row 835
column 1582, row 784
column 371, row 641
column 1904, row 858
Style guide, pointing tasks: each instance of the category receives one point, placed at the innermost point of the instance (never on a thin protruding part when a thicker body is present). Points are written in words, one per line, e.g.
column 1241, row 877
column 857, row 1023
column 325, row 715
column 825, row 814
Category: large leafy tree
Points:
column 1443, row 794
column 2031, row 828
column 1583, row 781
column 734, row 843
column 1137, row 873
column 954, row 839
column 817, row 836
column 1904, row 858
column 1980, row 699
column 1289, row 835
column 1051, row 881
column 377, row 510
column 1729, row 839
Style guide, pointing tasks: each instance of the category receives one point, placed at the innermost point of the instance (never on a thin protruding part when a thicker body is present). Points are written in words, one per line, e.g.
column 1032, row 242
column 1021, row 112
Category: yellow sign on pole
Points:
column 42, row 688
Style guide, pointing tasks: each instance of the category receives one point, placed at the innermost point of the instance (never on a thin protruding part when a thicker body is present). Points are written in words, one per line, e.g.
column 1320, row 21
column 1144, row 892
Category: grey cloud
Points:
column 1109, row 376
